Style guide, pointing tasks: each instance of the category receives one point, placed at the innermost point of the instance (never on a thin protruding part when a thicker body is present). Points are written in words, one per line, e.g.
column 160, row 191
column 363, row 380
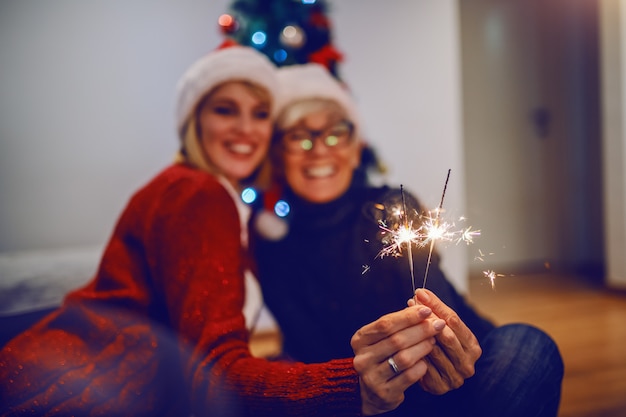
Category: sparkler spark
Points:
column 481, row 256
column 395, row 237
column 468, row 235
column 491, row 274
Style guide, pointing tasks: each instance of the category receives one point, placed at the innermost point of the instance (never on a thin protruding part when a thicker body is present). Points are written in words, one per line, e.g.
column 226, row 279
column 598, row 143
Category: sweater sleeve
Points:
column 194, row 252
column 59, row 367
column 101, row 352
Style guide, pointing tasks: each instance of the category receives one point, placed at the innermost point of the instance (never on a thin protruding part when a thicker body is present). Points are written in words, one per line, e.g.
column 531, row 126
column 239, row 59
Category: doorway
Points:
column 530, row 75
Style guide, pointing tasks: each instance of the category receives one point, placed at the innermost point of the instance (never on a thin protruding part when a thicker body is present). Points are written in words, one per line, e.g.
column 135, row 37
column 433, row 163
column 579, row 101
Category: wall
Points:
column 86, row 109
column 403, row 65
column 613, row 41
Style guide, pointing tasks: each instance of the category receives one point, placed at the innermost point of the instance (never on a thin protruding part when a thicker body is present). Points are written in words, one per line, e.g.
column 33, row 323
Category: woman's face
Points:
column 235, row 130
column 320, row 154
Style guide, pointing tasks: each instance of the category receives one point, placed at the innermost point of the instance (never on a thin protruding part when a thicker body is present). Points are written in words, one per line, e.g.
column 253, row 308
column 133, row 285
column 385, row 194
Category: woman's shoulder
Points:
column 182, row 177
column 181, row 173
column 178, row 184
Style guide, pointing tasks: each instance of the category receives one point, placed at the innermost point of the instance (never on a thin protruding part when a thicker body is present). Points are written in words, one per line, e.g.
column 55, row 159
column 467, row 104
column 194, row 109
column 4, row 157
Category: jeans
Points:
column 518, row 375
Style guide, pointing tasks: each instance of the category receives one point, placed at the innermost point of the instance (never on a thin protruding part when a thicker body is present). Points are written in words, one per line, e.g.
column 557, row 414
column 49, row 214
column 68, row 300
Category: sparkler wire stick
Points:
column 432, row 242
column 408, row 243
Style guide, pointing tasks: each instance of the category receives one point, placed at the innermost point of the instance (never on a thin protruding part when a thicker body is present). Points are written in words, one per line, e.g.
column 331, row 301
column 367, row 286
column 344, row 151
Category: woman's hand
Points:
column 403, row 339
column 453, row 357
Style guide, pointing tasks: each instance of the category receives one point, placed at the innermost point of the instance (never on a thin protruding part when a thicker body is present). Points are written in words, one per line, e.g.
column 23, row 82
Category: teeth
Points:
column 242, row 148
column 319, row 172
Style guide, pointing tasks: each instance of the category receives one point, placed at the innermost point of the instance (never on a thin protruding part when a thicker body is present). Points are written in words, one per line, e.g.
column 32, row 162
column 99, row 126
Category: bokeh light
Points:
column 249, row 195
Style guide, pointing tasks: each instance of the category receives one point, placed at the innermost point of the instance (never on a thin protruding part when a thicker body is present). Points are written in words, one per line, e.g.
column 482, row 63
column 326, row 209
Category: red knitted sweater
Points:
column 172, row 271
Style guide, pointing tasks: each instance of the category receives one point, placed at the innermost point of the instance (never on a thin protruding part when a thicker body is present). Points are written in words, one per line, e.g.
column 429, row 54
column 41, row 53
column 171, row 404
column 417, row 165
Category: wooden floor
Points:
column 587, row 322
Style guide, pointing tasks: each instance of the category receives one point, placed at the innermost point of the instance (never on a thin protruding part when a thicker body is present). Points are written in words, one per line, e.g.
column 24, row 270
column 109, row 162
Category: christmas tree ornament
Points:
column 227, row 23
column 292, row 36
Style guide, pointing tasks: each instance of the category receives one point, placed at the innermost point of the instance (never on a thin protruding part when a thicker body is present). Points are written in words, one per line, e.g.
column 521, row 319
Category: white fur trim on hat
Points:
column 229, row 64
column 311, row 81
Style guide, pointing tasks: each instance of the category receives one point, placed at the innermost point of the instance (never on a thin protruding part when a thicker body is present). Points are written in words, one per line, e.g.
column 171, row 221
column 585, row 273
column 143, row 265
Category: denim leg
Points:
column 519, row 374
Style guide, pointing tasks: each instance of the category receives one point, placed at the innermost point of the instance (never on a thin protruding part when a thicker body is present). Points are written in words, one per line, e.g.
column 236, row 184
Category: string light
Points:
column 280, row 55
column 259, row 38
column 249, row 195
column 282, row 208
column 225, row 20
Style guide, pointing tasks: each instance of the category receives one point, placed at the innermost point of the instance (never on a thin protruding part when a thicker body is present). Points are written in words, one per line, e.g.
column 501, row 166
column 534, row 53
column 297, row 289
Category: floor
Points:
column 587, row 322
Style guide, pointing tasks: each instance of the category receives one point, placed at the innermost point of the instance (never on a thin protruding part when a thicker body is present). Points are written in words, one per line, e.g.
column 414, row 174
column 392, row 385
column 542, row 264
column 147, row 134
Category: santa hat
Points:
column 235, row 63
column 314, row 81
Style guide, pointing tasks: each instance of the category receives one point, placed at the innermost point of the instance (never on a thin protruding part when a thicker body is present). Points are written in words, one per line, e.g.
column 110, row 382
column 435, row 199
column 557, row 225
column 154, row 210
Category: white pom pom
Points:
column 270, row 226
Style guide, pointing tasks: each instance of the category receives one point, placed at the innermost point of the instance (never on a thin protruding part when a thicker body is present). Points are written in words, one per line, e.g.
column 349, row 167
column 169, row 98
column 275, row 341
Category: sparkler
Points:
column 436, row 228
column 398, row 234
column 407, row 228
column 398, row 231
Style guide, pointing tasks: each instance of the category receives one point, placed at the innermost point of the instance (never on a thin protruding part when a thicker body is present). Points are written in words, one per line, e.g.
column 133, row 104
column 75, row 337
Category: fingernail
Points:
column 439, row 324
column 422, row 295
column 425, row 311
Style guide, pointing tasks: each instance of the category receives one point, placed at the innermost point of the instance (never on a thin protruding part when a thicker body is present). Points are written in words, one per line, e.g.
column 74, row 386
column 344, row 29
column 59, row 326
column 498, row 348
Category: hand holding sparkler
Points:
column 457, row 349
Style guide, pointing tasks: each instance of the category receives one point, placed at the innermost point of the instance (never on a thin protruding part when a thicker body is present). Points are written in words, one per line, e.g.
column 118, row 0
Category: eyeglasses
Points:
column 299, row 140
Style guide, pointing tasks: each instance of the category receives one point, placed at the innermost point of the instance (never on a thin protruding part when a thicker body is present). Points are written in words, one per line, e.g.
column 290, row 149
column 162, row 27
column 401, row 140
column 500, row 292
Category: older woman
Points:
column 160, row 329
column 311, row 271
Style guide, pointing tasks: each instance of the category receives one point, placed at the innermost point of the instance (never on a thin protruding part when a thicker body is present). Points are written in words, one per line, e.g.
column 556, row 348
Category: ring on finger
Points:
column 393, row 365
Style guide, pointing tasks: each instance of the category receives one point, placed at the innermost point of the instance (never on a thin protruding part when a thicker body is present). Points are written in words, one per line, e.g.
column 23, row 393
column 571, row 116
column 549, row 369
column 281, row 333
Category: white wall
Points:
column 402, row 63
column 613, row 41
column 86, row 109
column 86, row 104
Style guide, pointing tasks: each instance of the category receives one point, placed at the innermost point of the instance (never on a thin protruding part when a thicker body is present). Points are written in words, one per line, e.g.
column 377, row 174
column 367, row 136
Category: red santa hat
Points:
column 314, row 81
column 234, row 63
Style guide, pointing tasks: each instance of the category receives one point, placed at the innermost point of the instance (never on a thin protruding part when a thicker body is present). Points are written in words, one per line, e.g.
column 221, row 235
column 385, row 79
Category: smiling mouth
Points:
column 320, row 171
column 241, row 148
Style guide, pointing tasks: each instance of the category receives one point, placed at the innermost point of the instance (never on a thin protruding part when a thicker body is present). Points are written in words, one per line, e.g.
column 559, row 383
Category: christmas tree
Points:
column 290, row 32
column 287, row 31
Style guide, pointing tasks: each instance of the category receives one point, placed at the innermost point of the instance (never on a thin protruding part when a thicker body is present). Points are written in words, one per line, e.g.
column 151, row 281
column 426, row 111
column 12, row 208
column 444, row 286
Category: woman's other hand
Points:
column 453, row 357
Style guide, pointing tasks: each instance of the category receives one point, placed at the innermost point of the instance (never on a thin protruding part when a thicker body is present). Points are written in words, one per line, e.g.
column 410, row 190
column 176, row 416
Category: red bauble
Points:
column 228, row 24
